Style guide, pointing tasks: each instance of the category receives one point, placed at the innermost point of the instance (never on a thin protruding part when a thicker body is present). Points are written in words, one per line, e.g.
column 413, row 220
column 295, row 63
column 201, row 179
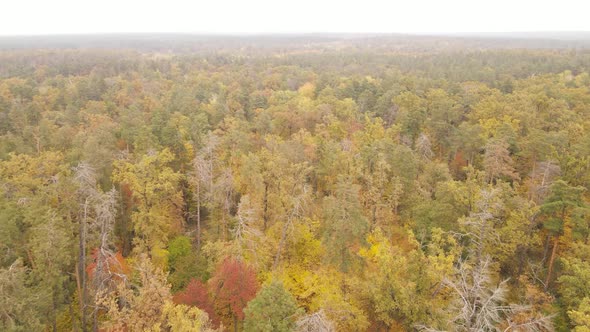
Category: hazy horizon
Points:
column 311, row 33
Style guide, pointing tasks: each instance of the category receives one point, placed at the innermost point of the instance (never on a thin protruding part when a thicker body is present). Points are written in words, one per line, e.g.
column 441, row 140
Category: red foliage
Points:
column 196, row 294
column 126, row 192
column 233, row 285
column 458, row 163
column 121, row 144
column 116, row 265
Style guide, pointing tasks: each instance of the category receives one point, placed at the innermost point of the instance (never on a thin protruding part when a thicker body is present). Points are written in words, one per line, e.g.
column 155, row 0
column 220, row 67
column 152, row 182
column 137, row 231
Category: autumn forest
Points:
column 294, row 183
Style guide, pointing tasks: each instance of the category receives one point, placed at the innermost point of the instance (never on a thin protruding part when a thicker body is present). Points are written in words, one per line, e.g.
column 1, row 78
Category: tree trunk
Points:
column 551, row 262
column 74, row 323
column 82, row 265
column 281, row 243
column 265, row 215
column 198, row 215
column 95, row 321
column 374, row 216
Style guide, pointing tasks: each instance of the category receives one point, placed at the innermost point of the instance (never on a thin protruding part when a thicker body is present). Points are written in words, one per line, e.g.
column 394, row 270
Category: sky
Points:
column 33, row 17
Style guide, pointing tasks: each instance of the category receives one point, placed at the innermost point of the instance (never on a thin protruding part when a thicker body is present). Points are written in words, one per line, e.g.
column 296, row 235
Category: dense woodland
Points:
column 330, row 184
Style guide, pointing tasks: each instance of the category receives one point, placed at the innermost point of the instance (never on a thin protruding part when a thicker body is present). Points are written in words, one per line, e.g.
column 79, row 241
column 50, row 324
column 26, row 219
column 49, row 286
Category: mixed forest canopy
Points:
column 294, row 183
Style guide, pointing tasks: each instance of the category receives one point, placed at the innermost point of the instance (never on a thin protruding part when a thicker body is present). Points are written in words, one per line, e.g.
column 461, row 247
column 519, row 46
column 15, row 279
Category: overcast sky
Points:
column 24, row 17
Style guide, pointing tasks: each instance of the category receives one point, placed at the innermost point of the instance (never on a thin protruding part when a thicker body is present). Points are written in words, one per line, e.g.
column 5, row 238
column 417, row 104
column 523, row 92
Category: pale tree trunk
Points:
column 551, row 261
column 265, row 215
column 198, row 214
column 82, row 265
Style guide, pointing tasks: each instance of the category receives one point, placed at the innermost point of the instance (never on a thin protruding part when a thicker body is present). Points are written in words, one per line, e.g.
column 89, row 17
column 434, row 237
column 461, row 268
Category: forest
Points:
column 294, row 183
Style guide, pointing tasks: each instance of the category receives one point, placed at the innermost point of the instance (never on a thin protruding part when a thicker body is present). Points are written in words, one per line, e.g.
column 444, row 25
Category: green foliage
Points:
column 574, row 284
column 178, row 247
column 18, row 301
column 560, row 205
column 581, row 316
column 358, row 181
column 345, row 224
column 273, row 309
column 184, row 263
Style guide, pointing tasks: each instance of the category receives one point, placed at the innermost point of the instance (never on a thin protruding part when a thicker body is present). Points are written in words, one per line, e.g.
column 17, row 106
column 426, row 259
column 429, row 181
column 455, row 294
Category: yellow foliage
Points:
column 325, row 289
column 490, row 126
column 154, row 187
column 182, row 318
column 307, row 90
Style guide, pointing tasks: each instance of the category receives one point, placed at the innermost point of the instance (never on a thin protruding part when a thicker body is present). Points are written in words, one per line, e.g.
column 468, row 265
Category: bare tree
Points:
column 200, row 178
column 96, row 221
column 424, row 147
column 245, row 233
column 85, row 176
column 105, row 208
column 137, row 305
column 223, row 192
column 542, row 176
column 315, row 322
column 296, row 211
column 497, row 161
column 480, row 223
column 480, row 305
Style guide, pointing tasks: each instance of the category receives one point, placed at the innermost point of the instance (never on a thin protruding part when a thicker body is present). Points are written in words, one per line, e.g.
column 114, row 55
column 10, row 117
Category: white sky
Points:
column 22, row 17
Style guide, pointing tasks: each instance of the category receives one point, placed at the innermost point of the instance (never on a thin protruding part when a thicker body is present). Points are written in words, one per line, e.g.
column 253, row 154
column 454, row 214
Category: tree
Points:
column 262, row 173
column 444, row 113
column 136, row 304
column 542, row 176
column 144, row 303
column 574, row 284
column 201, row 178
column 39, row 193
column 184, row 263
column 424, row 147
column 51, row 250
column 581, row 316
column 154, row 187
column 411, row 114
column 18, row 302
column 479, row 225
column 182, row 318
column 196, row 294
column 480, row 305
column 404, row 286
column 273, row 309
column 96, row 219
column 232, row 286
column 345, row 225
column 559, row 214
column 222, row 201
column 315, row 322
column 497, row 161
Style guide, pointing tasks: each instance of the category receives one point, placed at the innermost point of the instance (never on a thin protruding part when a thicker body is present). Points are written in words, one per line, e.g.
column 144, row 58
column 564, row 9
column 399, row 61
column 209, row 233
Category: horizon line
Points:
column 295, row 33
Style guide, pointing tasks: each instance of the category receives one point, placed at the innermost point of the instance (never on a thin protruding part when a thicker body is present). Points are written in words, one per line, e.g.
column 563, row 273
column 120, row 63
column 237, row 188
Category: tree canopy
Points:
column 375, row 183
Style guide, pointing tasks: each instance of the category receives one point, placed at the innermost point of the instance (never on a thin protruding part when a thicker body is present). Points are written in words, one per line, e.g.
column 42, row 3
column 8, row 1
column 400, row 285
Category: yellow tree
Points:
column 148, row 304
column 158, row 200
column 404, row 282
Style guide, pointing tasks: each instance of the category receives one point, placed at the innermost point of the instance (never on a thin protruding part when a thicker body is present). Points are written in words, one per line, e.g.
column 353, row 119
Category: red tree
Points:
column 115, row 266
column 196, row 294
column 232, row 286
